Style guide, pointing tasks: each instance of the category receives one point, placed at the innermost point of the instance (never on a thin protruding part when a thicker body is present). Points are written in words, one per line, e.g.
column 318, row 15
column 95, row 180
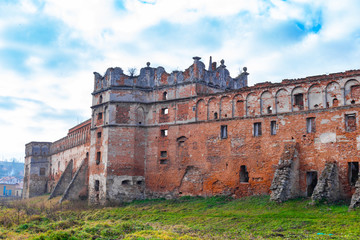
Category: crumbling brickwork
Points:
column 202, row 132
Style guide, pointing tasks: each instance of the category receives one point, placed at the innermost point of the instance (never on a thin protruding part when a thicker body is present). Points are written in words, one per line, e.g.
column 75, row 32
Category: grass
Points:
column 184, row 218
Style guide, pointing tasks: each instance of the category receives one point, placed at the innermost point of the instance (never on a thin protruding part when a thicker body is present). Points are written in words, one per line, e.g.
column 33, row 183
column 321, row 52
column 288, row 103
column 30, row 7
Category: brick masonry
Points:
column 201, row 132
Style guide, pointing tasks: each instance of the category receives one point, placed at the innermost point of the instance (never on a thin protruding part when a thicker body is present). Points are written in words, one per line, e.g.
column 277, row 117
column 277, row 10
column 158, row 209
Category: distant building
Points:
column 11, row 190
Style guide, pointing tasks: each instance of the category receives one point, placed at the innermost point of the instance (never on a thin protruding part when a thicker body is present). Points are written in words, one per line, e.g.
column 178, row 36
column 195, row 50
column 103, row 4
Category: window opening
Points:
column 269, row 109
column 164, row 133
column 125, row 182
column 98, row 157
column 257, row 129
column 99, row 134
column 163, row 161
column 299, row 100
column 164, row 95
column 165, row 111
column 311, row 181
column 163, row 154
column 42, row 171
column 350, row 122
column 310, row 125
column 273, row 127
column 215, row 115
column 100, row 99
column 353, row 172
column 335, row 102
column 99, row 116
column 244, row 174
column 97, row 185
column 223, row 131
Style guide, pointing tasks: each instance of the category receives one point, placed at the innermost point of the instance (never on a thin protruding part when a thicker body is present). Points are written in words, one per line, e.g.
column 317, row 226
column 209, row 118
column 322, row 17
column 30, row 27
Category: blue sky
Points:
column 50, row 48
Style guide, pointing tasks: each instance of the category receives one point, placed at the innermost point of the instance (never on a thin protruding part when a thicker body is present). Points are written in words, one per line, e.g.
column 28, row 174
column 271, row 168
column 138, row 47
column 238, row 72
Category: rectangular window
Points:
column 350, row 122
column 165, row 111
column 98, row 157
column 353, row 172
column 257, row 129
column 223, row 131
column 164, row 133
column 310, row 125
column 42, row 171
column 273, row 127
column 299, row 100
column 244, row 174
column 163, row 161
column 99, row 134
column 163, row 154
column 97, row 185
column 99, row 116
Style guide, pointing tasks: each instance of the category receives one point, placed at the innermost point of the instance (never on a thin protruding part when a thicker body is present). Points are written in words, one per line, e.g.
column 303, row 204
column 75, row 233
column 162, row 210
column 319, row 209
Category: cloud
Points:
column 49, row 49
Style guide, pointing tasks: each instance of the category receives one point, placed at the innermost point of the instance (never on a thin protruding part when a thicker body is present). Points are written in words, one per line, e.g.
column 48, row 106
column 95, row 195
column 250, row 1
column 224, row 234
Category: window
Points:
column 353, row 172
column 299, row 100
column 98, row 157
column 310, row 125
column 269, row 109
column 164, row 133
column 223, row 132
column 100, row 99
column 163, row 161
column 42, row 171
column 215, row 115
column 165, row 111
column 350, row 122
column 99, row 134
column 99, row 116
column 163, row 154
column 97, row 185
column 273, row 127
column 257, row 129
column 244, row 174
column 164, row 95
column 125, row 182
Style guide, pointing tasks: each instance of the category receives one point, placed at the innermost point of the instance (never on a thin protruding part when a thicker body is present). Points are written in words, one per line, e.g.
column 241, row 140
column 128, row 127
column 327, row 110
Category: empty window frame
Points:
column 244, row 174
column 353, row 172
column 163, row 161
column 164, row 97
column 350, row 122
column 164, row 111
column 98, row 158
column 164, row 132
column 97, row 185
column 99, row 134
column 273, row 127
column 299, row 100
column 257, row 129
column 310, row 125
column 223, row 131
column 99, row 116
column 163, row 154
column 125, row 182
column 42, row 171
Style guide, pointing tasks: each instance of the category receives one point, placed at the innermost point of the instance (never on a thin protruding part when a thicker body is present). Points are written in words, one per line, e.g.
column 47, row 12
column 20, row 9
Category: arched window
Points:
column 164, row 95
column 100, row 99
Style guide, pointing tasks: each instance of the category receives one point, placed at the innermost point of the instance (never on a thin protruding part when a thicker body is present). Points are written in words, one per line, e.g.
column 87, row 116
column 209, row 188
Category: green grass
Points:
column 184, row 218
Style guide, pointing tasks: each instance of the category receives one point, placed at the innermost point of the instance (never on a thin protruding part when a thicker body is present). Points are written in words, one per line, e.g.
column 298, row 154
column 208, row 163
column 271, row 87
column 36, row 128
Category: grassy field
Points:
column 184, row 218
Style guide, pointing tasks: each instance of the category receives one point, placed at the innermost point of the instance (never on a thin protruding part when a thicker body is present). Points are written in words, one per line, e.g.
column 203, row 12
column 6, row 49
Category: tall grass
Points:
column 184, row 218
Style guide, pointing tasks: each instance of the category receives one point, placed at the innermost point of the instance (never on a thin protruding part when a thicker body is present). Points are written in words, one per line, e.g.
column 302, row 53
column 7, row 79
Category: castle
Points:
column 202, row 132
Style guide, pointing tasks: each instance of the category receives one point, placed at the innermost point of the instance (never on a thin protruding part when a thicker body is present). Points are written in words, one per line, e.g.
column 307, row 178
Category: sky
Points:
column 49, row 50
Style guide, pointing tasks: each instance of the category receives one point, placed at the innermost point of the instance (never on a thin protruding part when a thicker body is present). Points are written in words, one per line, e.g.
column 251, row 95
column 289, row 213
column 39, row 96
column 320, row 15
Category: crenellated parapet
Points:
column 151, row 78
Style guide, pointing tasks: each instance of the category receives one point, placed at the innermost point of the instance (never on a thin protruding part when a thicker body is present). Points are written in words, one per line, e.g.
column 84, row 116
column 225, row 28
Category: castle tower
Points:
column 37, row 167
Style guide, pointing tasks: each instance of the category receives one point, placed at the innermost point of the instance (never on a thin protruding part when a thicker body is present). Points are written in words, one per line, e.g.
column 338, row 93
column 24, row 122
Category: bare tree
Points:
column 132, row 71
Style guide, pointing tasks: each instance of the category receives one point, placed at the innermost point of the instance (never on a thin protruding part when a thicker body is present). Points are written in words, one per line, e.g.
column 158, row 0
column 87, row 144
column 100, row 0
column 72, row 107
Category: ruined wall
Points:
column 37, row 164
